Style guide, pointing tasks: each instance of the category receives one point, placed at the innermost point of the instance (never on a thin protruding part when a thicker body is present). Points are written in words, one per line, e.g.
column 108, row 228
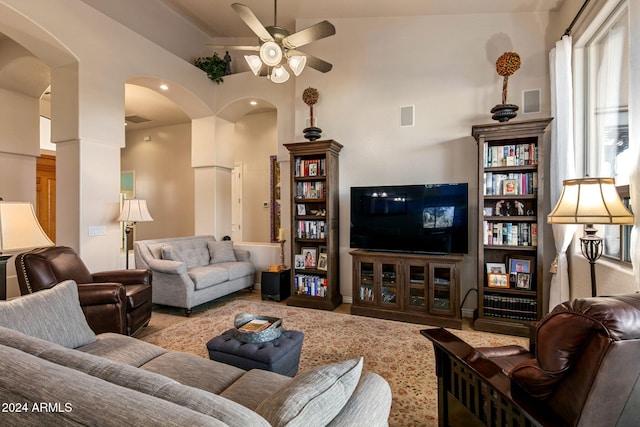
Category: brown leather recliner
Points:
column 113, row 301
column 583, row 371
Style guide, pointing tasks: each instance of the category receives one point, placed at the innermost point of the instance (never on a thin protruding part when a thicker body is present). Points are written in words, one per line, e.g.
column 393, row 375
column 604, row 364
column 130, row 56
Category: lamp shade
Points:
column 271, row 54
column 279, row 74
column 19, row 227
column 297, row 63
column 254, row 63
column 590, row 201
column 135, row 210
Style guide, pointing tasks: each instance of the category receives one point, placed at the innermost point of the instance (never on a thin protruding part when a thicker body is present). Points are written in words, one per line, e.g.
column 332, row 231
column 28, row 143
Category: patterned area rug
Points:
column 394, row 350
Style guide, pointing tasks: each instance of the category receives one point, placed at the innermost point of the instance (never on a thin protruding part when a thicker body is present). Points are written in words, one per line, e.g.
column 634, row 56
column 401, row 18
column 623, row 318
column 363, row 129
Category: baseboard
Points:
column 347, row 300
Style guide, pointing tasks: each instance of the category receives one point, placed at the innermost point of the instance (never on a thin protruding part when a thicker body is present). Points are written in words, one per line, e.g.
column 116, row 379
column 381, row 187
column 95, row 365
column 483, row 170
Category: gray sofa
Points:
column 55, row 371
column 189, row 271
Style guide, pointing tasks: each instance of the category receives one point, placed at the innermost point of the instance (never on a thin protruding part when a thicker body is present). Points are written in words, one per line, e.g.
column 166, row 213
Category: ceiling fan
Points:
column 278, row 46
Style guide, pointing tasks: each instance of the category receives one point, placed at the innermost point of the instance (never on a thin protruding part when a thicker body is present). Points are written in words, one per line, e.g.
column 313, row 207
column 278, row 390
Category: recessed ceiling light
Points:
column 253, row 103
column 164, row 87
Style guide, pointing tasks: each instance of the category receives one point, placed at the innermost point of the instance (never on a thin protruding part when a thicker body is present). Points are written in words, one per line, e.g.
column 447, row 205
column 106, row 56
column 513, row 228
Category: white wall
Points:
column 445, row 66
column 164, row 177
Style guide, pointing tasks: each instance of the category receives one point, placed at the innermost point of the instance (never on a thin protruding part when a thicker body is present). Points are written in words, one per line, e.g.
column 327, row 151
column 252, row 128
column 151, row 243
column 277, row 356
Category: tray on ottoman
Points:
column 281, row 355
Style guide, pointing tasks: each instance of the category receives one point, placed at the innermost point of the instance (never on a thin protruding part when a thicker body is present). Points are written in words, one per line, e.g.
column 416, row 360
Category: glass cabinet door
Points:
column 389, row 283
column 366, row 273
column 417, row 286
column 442, row 292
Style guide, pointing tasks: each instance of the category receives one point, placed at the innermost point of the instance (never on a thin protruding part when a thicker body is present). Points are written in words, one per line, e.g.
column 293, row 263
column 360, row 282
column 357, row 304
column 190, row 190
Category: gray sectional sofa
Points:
column 189, row 271
column 56, row 371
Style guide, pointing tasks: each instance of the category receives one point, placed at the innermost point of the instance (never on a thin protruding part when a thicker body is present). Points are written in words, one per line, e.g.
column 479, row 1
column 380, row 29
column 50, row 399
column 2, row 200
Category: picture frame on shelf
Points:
column 519, row 264
column 496, row 267
column 302, row 209
column 313, row 169
column 498, row 280
column 299, row 262
column 523, row 281
column 488, row 211
column 310, row 257
column 510, row 187
column 322, row 261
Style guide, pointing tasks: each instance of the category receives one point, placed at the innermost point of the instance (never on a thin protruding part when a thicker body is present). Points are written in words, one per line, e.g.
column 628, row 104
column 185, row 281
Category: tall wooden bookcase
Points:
column 510, row 225
column 314, row 223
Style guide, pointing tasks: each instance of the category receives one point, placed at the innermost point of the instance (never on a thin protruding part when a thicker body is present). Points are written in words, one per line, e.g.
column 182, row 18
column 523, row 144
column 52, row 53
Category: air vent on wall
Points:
column 136, row 119
column 406, row 116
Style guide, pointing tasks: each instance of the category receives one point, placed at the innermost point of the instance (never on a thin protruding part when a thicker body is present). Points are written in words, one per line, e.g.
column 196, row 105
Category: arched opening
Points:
column 255, row 192
column 156, row 162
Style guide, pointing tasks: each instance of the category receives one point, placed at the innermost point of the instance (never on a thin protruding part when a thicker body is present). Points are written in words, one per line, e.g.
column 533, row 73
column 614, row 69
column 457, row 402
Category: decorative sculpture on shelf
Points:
column 310, row 97
column 519, row 207
column 506, row 65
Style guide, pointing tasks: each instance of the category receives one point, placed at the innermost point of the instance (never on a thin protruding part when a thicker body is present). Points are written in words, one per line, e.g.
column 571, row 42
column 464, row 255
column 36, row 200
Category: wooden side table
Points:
column 276, row 286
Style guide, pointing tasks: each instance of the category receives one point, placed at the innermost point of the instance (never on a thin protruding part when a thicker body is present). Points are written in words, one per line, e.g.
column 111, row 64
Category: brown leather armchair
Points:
column 584, row 370
column 113, row 301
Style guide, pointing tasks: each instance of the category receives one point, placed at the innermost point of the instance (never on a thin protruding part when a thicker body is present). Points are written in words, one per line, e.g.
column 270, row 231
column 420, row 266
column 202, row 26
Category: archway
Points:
column 255, row 192
column 157, row 159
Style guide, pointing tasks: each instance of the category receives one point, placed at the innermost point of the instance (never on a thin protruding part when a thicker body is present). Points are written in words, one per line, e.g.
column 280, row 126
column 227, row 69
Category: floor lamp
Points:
column 590, row 201
column 19, row 231
column 133, row 210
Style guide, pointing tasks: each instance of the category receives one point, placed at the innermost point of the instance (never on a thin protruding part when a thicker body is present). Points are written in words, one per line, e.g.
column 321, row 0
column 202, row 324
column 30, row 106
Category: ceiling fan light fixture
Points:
column 254, row 63
column 297, row 63
column 279, row 74
column 271, row 54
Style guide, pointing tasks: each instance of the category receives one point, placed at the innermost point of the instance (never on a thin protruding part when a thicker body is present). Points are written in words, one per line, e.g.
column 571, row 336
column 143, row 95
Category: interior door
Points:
column 46, row 194
column 236, row 203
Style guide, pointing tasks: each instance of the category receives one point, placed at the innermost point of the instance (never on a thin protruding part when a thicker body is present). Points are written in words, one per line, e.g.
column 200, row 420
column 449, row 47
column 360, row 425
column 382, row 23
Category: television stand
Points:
column 408, row 287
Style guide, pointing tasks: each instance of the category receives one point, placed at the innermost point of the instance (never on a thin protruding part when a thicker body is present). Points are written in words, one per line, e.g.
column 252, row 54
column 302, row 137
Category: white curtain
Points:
column 634, row 193
column 562, row 162
column 634, row 132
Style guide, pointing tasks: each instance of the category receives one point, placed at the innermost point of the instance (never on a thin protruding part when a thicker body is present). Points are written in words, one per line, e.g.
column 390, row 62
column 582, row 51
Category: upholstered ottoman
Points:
column 281, row 355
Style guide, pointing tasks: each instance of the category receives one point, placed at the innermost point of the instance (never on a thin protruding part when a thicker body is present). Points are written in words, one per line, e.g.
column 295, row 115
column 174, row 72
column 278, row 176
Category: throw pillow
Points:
column 52, row 314
column 168, row 252
column 221, row 251
column 313, row 397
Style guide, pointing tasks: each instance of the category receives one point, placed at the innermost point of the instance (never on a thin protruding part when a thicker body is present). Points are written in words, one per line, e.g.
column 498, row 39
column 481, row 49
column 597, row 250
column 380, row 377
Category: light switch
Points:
column 97, row 230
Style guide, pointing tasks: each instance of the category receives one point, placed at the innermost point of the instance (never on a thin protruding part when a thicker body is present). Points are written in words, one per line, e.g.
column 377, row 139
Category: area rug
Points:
column 394, row 350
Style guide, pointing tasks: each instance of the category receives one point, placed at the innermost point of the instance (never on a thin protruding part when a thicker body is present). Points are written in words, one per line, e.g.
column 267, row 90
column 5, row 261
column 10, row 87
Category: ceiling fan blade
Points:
column 224, row 47
column 252, row 22
column 313, row 61
column 315, row 32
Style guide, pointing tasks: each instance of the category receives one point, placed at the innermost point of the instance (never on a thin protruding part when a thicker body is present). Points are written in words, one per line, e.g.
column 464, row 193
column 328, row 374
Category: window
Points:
column 606, row 116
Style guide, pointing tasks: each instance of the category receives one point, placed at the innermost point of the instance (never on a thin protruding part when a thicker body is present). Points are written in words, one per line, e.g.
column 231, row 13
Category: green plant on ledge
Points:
column 214, row 66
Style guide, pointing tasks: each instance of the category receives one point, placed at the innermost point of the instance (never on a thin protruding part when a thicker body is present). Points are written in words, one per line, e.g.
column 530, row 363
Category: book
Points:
column 255, row 325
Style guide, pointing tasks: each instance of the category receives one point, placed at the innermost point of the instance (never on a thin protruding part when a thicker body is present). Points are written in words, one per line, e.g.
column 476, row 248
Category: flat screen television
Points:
column 429, row 218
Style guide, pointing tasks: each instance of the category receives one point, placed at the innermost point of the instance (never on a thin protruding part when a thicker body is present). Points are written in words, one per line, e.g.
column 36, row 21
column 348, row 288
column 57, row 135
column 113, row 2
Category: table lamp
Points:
column 133, row 210
column 19, row 231
column 590, row 201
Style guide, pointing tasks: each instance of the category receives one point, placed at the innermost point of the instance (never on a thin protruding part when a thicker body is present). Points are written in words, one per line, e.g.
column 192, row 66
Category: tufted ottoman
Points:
column 281, row 355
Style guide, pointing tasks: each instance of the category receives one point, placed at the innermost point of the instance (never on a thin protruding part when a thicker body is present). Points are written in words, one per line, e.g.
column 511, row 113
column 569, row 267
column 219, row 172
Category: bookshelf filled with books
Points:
column 510, row 225
column 314, row 224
